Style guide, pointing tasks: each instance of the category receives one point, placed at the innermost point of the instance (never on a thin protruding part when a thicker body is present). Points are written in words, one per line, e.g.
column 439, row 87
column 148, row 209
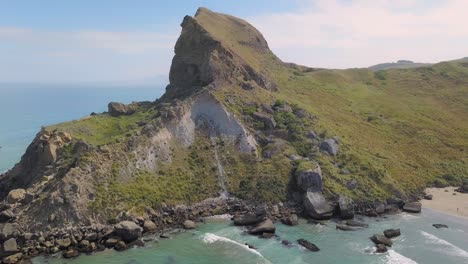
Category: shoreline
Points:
column 444, row 201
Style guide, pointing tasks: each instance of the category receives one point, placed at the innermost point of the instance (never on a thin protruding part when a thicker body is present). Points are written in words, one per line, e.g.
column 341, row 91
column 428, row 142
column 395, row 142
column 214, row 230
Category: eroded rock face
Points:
column 201, row 58
column 317, row 206
column 309, row 177
column 42, row 152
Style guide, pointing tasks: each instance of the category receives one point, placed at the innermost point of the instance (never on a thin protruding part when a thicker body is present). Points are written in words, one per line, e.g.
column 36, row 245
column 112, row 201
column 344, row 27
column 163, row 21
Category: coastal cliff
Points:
column 237, row 122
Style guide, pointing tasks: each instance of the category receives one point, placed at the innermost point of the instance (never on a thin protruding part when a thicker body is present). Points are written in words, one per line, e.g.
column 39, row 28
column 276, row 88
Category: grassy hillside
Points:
column 399, row 130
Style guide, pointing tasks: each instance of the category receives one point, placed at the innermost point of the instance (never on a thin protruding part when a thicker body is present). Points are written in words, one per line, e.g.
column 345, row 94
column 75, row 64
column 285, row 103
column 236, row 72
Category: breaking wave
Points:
column 394, row 257
column 212, row 238
column 451, row 248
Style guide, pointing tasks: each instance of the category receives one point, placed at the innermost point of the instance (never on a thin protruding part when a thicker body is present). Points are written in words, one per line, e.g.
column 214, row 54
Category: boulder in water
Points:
column 347, row 227
column 308, row 245
column 381, row 248
column 440, row 226
column 380, row 239
column 266, row 226
column 391, row 233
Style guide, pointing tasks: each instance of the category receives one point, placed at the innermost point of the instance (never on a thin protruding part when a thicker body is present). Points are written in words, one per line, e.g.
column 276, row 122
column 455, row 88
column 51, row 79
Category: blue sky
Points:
column 132, row 41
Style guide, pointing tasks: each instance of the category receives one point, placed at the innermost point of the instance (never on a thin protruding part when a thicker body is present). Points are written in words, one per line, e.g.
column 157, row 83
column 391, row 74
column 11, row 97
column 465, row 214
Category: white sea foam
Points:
column 220, row 217
column 394, row 257
column 212, row 238
column 451, row 248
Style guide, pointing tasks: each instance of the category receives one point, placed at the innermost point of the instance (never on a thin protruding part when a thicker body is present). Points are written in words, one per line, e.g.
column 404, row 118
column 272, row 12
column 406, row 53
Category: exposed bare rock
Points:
column 128, row 231
column 412, row 207
column 16, row 196
column 381, row 239
column 118, row 109
column 266, row 226
column 189, row 224
column 309, row 177
column 331, row 146
column 308, row 245
column 317, row 206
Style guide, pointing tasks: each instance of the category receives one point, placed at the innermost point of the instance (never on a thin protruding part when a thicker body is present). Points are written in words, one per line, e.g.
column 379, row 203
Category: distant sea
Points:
column 25, row 108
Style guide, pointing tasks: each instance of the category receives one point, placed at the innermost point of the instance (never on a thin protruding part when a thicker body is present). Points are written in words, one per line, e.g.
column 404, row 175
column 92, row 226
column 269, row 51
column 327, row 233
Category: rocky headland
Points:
column 231, row 135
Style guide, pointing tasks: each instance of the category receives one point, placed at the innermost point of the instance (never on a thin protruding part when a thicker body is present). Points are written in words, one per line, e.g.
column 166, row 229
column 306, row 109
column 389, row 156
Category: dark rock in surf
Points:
column 380, row 239
column 391, row 233
column 308, row 245
column 440, row 226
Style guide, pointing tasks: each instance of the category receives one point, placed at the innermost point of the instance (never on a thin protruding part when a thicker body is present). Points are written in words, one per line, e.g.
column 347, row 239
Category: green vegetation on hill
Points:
column 399, row 129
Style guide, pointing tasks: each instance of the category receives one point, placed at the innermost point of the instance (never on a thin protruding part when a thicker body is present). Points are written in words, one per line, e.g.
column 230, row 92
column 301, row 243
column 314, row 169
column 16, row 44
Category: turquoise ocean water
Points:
column 218, row 241
column 24, row 110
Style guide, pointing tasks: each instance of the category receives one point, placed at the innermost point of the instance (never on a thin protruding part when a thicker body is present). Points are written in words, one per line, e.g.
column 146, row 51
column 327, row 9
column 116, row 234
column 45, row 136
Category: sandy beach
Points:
column 444, row 201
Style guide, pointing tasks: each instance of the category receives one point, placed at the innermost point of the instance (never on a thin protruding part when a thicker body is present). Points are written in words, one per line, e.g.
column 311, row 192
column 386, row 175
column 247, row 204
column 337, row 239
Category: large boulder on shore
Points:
column 15, row 258
column 149, row 226
column 331, row 146
column 128, row 231
column 412, row 207
column 248, row 219
column 317, row 206
column 189, row 224
column 346, row 206
column 309, row 176
column 266, row 226
column 16, row 196
column 10, row 246
column 290, row 220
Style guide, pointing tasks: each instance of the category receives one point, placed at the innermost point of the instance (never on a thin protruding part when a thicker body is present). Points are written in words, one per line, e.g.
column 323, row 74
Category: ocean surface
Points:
column 24, row 110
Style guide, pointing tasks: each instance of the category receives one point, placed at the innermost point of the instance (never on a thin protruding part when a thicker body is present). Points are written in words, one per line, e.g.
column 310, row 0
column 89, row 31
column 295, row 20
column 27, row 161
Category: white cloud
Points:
column 332, row 33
